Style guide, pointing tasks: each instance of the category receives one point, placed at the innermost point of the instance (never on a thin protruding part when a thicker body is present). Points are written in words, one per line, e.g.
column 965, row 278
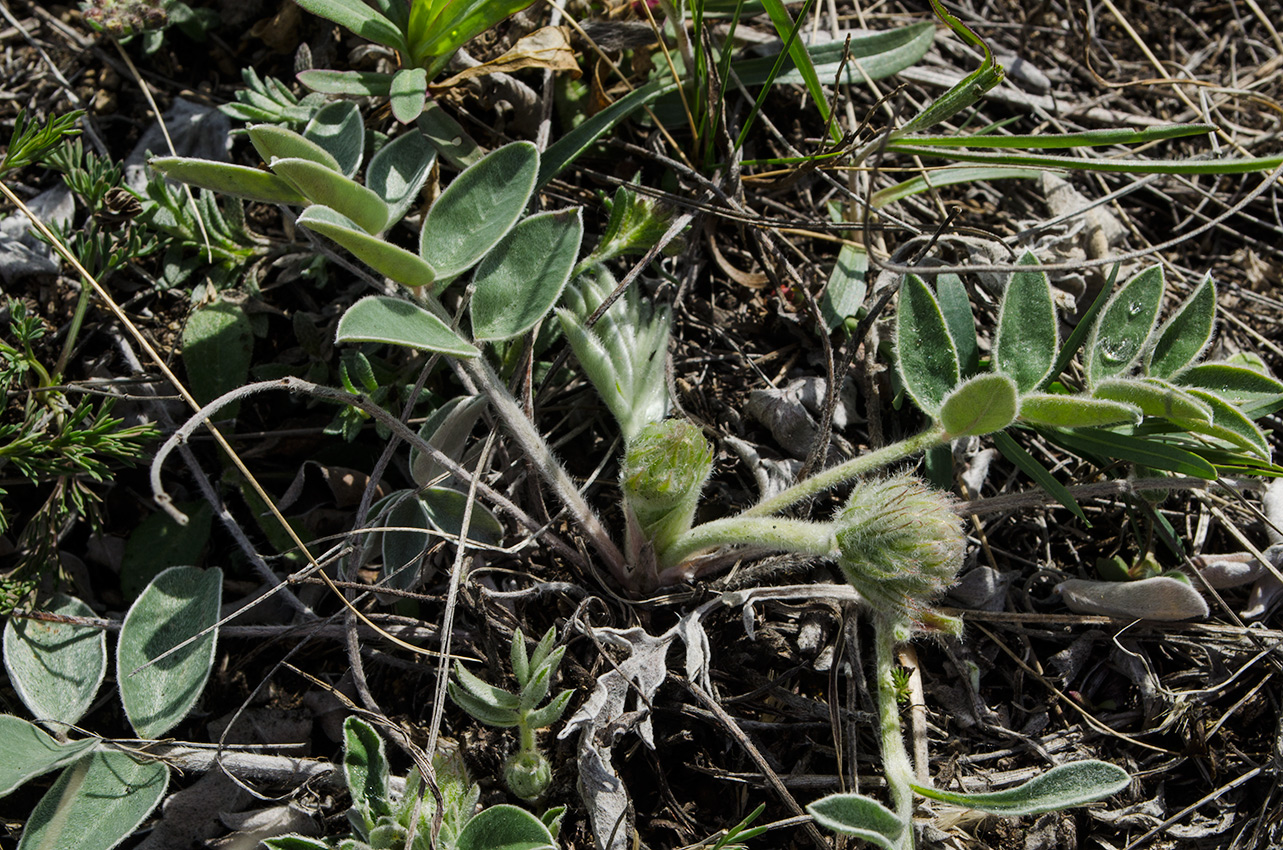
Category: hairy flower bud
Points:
column 664, row 470
column 900, row 543
column 527, row 774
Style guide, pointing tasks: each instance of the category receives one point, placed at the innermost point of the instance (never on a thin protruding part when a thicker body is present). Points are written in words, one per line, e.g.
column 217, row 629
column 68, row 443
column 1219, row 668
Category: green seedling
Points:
column 526, row 772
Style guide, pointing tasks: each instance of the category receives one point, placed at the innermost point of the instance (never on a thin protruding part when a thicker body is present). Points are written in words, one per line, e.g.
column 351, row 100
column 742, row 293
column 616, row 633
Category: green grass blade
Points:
column 1090, row 138
column 1231, row 165
column 788, row 30
column 1041, row 476
column 947, row 177
column 1091, row 442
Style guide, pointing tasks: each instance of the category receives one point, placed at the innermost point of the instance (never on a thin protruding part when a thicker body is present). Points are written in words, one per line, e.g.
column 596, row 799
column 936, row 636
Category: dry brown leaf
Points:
column 547, row 48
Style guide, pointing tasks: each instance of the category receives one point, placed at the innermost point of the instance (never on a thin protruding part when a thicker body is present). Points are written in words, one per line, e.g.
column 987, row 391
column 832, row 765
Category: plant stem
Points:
column 895, row 758
column 853, row 468
column 776, row 533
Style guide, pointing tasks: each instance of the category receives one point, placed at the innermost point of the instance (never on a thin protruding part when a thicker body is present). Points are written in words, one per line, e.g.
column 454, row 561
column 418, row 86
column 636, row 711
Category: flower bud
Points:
column 665, row 467
column 900, row 543
column 527, row 774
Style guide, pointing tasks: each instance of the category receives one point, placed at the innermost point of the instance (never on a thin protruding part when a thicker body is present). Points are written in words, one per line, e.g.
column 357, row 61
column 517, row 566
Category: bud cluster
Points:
column 125, row 17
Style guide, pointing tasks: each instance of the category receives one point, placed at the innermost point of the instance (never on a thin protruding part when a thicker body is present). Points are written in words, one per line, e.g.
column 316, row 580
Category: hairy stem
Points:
column 896, row 766
column 775, row 533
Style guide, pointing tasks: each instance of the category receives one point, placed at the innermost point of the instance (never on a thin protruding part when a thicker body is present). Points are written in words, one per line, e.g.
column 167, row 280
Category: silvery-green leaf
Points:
column 478, row 208
column 1076, row 411
column 56, row 668
column 1118, row 338
column 360, row 19
column 518, row 282
column 1183, row 337
column 955, row 305
column 1026, row 341
column 29, row 751
column 483, row 690
column 1254, row 393
column 444, row 508
column 294, row 842
column 519, row 658
column 275, row 142
column 239, row 180
column 984, row 404
column 398, row 171
column 926, row 356
column 328, row 188
column 218, row 346
column 365, row 768
column 447, row 429
column 847, row 286
column 180, row 603
column 536, row 689
column 448, row 136
column 1154, row 397
column 405, row 267
column 377, row 318
column 505, row 827
column 1229, row 424
column 339, row 128
column 403, row 550
column 543, row 650
column 859, row 816
column 542, row 718
column 1062, row 787
column 409, row 92
column 96, row 803
column 353, row 83
column 1161, row 598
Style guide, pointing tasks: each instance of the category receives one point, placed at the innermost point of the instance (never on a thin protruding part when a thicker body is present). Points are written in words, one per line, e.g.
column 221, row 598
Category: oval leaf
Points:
column 405, row 267
column 926, row 356
column 445, row 508
column 179, row 604
column 1185, row 336
column 518, row 282
column 1230, row 425
column 341, row 194
column 1159, row 598
column 398, row 171
column 239, row 180
column 1154, row 397
column 403, row 550
column 479, row 208
column 56, row 668
column 96, row 803
column 1254, row 393
column 218, row 344
column 955, row 304
column 984, row 404
column 29, row 751
column 365, row 767
column 354, row 83
column 861, row 816
column 409, row 92
column 1061, row 787
column 396, row 321
column 339, row 129
column 1026, row 342
column 447, row 429
column 504, row 827
column 273, row 142
column 1118, row 338
column 1076, row 411
column 360, row 19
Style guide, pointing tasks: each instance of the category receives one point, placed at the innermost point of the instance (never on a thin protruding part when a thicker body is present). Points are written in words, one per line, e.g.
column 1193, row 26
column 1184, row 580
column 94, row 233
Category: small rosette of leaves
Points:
column 664, row 471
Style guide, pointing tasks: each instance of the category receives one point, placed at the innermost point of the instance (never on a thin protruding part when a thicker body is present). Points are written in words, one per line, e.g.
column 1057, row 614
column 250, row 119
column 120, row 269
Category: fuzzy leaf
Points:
column 955, row 305
column 1229, row 424
column 500, row 718
column 29, row 751
column 1254, row 393
column 239, row 180
column 56, row 668
column 360, row 19
column 926, row 356
column 445, row 508
column 484, row 691
column 294, row 842
column 1185, row 336
column 352, row 83
column 274, row 142
column 339, row 129
column 409, row 92
column 396, row 321
column 542, row 718
column 519, row 659
column 403, row 550
column 1026, row 342
column 398, row 171
column 860, row 816
column 179, row 604
column 479, row 208
column 536, row 689
column 447, row 428
column 1062, row 787
column 1154, row 397
column 1117, row 340
column 505, row 827
column 341, row 194
column 982, row 405
column 405, row 267
column 543, row 649
column 1161, row 598
column 365, row 768
column 218, row 344
column 518, row 282
column 96, row 803
column 158, row 543
column 1076, row 411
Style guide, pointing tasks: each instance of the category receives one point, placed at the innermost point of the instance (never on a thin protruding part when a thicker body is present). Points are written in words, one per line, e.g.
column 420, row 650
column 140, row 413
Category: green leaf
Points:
column 1076, row 411
column 1230, row 425
column 504, row 827
column 926, row 356
column 181, row 603
column 544, row 647
column 395, row 321
column 1254, row 393
column 1151, row 453
column 984, row 404
column 444, row 508
column 351, row 83
column 447, row 428
column 340, row 130
column 365, row 768
column 1154, row 397
column 479, row 208
column 955, row 305
column 448, row 136
column 322, row 186
column 239, row 180
column 1186, row 335
column 1087, row 138
column 494, row 697
column 218, row 344
column 436, row 30
column 294, row 842
column 403, row 550
column 789, row 33
column 860, row 816
column 1030, row 466
column 405, row 267
column 409, row 92
column 1117, row 340
column 158, row 543
column 949, row 176
column 1062, row 787
column 491, row 715
column 1086, row 322
column 518, row 282
column 398, row 171
column 1229, row 165
column 273, row 142
column 360, row 19
column 56, row 668
column 536, row 689
column 1026, row 341
column 96, row 803
column 542, row 718
column 29, row 751
column 519, row 659
column 847, row 286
